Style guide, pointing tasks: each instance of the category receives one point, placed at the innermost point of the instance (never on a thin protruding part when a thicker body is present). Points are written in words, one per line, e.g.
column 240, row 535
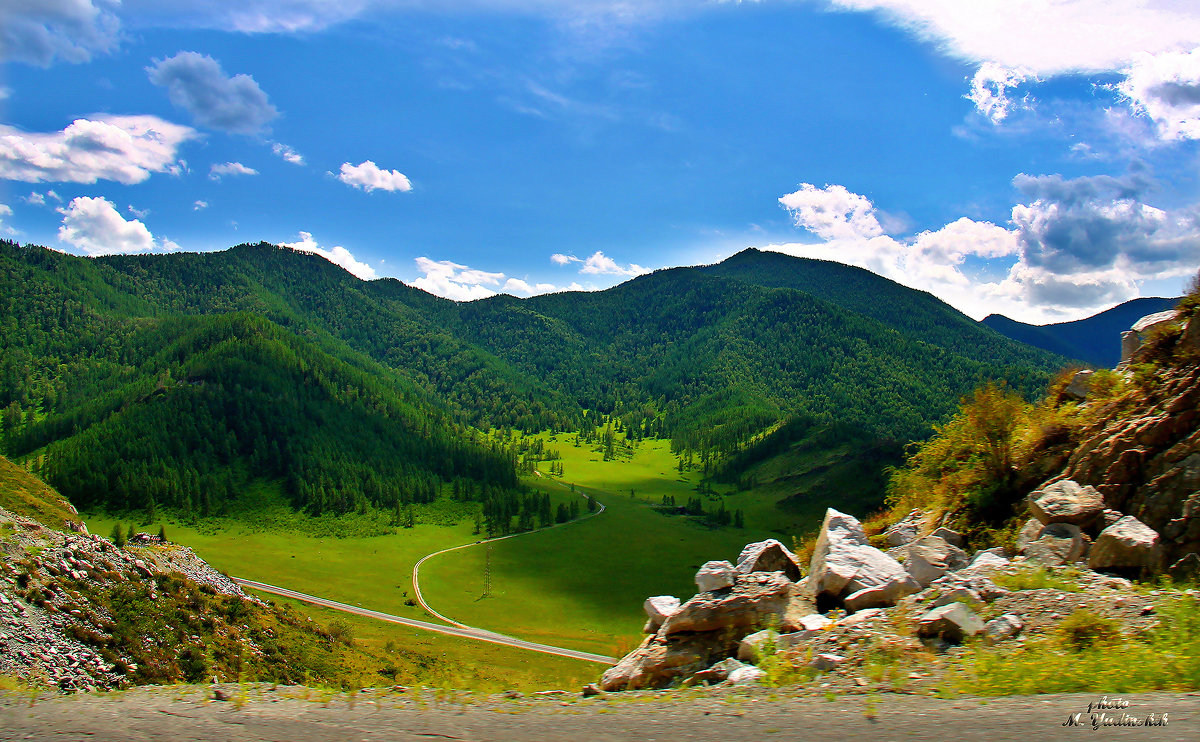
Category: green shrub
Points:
column 1083, row 630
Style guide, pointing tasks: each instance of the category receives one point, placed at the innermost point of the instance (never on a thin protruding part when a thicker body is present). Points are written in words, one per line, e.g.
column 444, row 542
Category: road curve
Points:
column 456, row 630
column 417, row 567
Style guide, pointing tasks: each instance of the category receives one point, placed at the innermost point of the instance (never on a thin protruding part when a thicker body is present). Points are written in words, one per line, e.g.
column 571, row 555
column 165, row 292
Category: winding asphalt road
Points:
column 456, row 628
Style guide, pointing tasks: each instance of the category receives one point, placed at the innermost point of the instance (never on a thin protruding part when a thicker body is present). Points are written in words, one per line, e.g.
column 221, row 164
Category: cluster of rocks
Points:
column 1144, row 458
column 1071, row 524
column 924, row 593
column 48, row 583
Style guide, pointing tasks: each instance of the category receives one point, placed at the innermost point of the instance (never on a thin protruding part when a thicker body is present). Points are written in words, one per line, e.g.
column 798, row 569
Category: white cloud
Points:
column 337, row 255
column 5, row 211
column 35, row 199
column 519, row 286
column 832, row 212
column 139, row 213
column 198, row 205
column 197, row 84
column 368, row 176
column 230, row 168
column 287, row 153
column 1045, row 38
column 125, row 149
column 598, row 263
column 454, row 281
column 54, row 195
column 1077, row 247
column 94, row 226
column 989, row 90
column 1166, row 89
column 40, row 32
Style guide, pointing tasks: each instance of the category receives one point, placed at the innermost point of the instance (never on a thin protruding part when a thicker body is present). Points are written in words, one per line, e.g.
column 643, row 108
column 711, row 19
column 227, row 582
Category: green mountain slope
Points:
column 176, row 379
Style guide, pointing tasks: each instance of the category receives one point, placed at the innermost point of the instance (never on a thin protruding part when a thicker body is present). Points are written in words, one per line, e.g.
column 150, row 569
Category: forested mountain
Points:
column 171, row 379
column 1094, row 339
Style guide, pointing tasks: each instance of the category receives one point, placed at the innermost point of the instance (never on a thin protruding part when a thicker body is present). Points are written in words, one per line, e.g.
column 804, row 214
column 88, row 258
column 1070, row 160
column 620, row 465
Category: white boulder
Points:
column 715, row 576
column 843, row 563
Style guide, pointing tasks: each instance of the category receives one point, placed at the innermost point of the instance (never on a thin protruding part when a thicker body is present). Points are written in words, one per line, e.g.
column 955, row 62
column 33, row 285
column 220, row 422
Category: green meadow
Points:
column 582, row 585
column 579, row 585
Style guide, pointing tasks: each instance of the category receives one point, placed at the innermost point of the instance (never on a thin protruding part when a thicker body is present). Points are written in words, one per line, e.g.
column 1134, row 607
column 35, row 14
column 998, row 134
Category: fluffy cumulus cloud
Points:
column 125, row 149
column 337, row 255
column 1166, row 89
column 455, row 281
column 1075, row 246
column 832, row 212
column 197, row 84
column 43, row 31
column 599, row 264
column 95, row 227
column 230, row 168
column 368, row 176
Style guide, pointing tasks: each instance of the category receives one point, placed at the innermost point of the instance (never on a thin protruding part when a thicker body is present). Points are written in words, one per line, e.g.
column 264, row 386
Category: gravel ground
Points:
column 186, row 713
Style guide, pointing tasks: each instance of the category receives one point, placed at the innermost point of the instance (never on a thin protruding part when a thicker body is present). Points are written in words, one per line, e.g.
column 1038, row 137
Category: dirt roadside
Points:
column 295, row 714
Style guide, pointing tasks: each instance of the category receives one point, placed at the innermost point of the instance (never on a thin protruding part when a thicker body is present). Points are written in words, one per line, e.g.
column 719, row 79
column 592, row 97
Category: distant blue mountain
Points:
column 1095, row 339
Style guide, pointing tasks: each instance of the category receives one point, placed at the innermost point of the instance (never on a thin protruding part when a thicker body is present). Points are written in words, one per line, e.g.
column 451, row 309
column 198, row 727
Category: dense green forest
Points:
column 144, row 381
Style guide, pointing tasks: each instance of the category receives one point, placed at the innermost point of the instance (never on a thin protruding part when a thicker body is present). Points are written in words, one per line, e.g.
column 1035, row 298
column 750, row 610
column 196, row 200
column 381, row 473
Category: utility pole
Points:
column 487, row 573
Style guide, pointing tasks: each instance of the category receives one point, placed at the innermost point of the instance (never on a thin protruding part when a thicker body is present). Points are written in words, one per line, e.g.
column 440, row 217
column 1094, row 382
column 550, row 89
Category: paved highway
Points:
column 457, row 630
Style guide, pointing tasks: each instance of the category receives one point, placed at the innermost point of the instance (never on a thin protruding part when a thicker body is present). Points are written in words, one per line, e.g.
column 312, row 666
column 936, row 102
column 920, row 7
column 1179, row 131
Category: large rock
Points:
column 757, row 600
column 1028, row 534
column 748, row 675
column 1127, row 545
column 931, row 557
column 719, row 672
column 768, row 556
column 1065, row 501
column 984, row 563
column 906, row 531
column 843, row 563
column 952, row 622
column 1057, row 544
column 761, row 643
column 950, row 536
column 1133, row 339
column 1004, row 627
column 715, row 576
column 1080, row 385
column 658, row 609
column 755, row 646
column 660, row 659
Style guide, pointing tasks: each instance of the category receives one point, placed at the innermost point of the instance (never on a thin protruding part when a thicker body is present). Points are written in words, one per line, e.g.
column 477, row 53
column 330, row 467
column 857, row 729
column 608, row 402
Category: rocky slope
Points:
column 758, row 621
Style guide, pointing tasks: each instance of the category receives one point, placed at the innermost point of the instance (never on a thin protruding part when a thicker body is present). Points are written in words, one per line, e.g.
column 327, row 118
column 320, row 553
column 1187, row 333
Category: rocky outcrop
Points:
column 768, row 556
column 715, row 576
column 1079, row 385
column 953, row 623
column 658, row 609
column 1057, row 544
column 906, row 530
column 755, row 600
column 660, row 659
column 1066, row 501
column 846, row 569
column 1127, row 545
column 931, row 557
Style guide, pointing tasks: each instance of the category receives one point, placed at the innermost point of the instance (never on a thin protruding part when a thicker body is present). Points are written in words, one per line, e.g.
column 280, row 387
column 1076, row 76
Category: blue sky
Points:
column 1040, row 161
